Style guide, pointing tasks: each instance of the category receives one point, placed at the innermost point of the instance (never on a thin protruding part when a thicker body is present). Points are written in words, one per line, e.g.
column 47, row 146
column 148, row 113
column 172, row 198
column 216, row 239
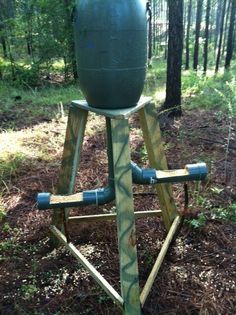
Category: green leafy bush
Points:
column 199, row 221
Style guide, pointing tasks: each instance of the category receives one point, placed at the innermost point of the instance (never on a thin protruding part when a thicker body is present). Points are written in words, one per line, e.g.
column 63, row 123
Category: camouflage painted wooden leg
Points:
column 72, row 147
column 125, row 217
column 152, row 137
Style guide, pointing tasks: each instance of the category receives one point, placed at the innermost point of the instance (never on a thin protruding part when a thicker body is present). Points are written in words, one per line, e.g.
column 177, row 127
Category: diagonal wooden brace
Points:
column 160, row 258
column 86, row 264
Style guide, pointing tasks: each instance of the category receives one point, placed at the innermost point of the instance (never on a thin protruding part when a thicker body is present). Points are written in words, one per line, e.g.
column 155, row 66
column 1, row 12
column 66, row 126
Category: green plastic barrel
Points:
column 111, row 51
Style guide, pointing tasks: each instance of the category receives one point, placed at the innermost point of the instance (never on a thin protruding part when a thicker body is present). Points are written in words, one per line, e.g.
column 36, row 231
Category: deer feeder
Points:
column 111, row 53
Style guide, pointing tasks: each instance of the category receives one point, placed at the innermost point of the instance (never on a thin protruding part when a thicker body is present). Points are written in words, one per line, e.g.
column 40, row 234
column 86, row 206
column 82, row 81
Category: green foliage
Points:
column 34, row 103
column 6, row 227
column 27, row 75
column 199, row 221
column 156, row 78
column 49, row 95
column 2, row 211
column 28, row 290
column 228, row 214
column 9, row 165
column 39, row 32
column 232, row 212
column 210, row 91
column 143, row 154
column 6, row 245
column 9, row 244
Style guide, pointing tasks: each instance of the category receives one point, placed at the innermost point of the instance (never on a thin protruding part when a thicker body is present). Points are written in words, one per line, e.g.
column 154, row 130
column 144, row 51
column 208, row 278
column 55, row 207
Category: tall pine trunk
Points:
column 174, row 58
column 205, row 54
column 230, row 42
column 221, row 37
column 218, row 19
column 149, row 22
column 226, row 28
column 4, row 46
column 166, row 30
column 71, row 42
column 154, row 9
column 188, row 34
column 197, row 35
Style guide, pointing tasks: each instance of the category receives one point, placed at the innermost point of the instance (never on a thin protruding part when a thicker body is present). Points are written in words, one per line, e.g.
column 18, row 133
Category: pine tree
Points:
column 197, row 35
column 230, row 42
column 174, row 58
column 221, row 36
column 205, row 55
column 188, row 33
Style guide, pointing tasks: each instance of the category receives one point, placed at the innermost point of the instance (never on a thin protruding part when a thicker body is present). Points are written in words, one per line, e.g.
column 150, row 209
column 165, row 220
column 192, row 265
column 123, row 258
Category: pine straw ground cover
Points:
column 198, row 274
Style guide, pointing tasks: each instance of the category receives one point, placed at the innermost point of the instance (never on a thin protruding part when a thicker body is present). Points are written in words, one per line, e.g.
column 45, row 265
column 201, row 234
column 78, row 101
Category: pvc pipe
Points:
column 197, row 171
column 143, row 176
column 105, row 195
column 97, row 197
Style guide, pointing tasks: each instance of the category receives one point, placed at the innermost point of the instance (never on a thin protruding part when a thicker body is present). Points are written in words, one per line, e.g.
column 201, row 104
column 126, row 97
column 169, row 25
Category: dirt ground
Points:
column 198, row 273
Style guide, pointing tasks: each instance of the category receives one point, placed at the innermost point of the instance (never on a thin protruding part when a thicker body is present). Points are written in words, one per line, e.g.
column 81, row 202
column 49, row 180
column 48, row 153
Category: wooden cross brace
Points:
column 129, row 299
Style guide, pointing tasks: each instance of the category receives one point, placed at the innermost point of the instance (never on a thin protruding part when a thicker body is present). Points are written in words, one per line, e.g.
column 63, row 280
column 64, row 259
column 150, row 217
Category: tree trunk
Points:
column 28, row 9
column 205, row 54
column 71, row 48
column 12, row 62
column 188, row 33
column 149, row 22
column 154, row 9
column 230, row 42
column 218, row 19
column 10, row 5
column 197, row 35
column 221, row 37
column 166, row 31
column 174, row 58
column 185, row 16
column 2, row 37
column 28, row 44
column 226, row 28
column 4, row 46
column 212, row 20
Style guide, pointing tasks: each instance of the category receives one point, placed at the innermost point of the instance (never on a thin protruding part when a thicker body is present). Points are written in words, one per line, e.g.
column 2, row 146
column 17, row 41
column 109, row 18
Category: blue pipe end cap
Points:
column 43, row 201
column 198, row 171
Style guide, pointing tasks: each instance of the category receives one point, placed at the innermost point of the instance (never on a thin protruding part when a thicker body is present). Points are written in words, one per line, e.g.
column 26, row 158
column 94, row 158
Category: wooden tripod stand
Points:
column 129, row 299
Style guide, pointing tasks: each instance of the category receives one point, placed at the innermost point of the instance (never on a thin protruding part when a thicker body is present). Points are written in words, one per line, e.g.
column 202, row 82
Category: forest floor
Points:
column 198, row 273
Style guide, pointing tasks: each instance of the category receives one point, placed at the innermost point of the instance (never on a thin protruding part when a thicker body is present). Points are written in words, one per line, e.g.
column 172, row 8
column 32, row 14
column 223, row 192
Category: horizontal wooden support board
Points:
column 160, row 258
column 55, row 199
column 114, row 113
column 171, row 173
column 89, row 267
column 112, row 216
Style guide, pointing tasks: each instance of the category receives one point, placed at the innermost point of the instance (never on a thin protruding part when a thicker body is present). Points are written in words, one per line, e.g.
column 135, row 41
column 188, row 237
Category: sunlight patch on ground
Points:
column 21, row 150
column 160, row 95
column 11, row 143
column 28, row 143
